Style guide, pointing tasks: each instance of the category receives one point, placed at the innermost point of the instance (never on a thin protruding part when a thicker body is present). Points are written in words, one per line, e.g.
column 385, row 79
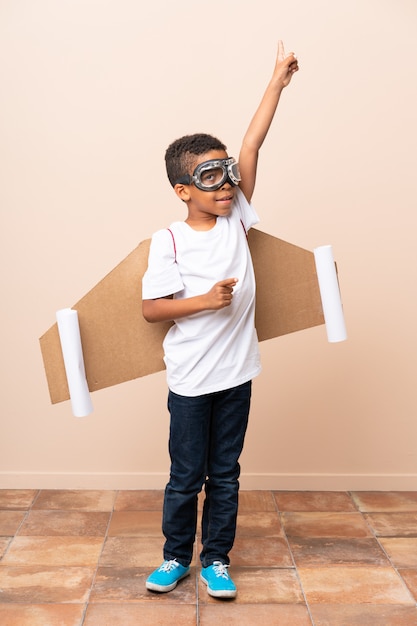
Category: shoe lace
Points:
column 220, row 569
column 168, row 566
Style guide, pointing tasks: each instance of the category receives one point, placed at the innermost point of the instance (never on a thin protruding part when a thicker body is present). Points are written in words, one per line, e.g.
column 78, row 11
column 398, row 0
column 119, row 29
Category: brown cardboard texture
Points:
column 119, row 345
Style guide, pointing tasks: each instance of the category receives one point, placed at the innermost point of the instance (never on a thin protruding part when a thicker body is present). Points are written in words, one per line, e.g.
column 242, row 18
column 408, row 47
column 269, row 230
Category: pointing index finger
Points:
column 228, row 281
column 281, row 53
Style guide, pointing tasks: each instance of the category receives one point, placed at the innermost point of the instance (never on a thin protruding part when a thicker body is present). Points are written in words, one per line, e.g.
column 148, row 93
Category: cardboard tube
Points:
column 69, row 335
column 330, row 294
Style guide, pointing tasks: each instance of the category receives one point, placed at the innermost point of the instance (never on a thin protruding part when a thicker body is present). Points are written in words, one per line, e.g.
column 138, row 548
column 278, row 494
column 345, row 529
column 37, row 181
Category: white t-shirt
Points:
column 212, row 350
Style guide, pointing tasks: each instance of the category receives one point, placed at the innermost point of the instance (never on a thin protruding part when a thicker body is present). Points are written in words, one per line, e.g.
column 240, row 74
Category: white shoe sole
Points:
column 165, row 588
column 225, row 593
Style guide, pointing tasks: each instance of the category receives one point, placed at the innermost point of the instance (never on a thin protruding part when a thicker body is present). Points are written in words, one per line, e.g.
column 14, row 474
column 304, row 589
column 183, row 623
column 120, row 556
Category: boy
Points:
column 200, row 276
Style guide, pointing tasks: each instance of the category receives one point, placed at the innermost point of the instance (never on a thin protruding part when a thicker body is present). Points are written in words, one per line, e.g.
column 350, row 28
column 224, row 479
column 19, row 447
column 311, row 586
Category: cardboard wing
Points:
column 119, row 345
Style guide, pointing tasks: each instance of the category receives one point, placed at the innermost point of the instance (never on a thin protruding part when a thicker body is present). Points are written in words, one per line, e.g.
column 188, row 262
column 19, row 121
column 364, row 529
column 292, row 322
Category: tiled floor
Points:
column 80, row 558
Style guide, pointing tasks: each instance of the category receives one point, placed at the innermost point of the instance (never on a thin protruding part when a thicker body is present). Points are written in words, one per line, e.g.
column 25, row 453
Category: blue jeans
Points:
column 206, row 439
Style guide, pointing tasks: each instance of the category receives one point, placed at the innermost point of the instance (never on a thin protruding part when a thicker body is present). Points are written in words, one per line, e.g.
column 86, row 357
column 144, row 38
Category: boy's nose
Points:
column 227, row 182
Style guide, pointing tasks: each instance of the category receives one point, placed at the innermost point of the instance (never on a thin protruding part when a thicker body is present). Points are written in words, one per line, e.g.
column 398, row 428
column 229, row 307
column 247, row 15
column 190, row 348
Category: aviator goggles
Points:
column 211, row 175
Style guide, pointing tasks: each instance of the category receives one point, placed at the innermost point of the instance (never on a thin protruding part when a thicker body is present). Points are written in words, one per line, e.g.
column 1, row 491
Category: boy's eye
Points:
column 210, row 177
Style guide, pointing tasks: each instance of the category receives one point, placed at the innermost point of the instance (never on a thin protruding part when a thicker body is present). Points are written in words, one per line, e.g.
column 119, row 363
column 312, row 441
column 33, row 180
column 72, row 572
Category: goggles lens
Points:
column 211, row 175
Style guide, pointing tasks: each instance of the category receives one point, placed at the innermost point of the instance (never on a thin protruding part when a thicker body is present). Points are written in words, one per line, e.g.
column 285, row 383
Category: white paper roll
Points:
column 69, row 334
column 330, row 294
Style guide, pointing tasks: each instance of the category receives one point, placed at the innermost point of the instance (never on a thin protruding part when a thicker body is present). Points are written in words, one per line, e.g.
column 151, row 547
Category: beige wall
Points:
column 92, row 91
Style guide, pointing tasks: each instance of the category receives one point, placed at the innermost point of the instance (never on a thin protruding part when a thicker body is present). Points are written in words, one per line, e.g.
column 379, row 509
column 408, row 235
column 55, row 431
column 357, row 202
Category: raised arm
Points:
column 285, row 66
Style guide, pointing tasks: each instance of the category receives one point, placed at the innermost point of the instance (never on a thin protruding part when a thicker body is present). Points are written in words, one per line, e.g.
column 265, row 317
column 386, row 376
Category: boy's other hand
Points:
column 221, row 294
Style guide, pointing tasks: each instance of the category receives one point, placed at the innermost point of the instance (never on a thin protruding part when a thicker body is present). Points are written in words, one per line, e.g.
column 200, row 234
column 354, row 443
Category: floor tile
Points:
column 385, row 501
column 159, row 614
column 298, row 501
column 41, row 615
column 61, row 523
column 260, row 586
column 313, row 551
column 38, row 584
column 393, row 524
column 136, row 524
column 75, row 500
column 260, row 524
column 132, row 552
column 17, row 498
column 410, row 578
column 325, row 525
column 401, row 550
column 10, row 522
column 234, row 614
column 261, row 551
column 353, row 585
column 4, row 543
column 363, row 615
column 250, row 501
column 146, row 500
column 57, row 551
column 127, row 584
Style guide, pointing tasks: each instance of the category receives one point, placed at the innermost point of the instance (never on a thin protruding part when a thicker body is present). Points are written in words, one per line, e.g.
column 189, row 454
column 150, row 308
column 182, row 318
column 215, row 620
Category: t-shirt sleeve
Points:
column 246, row 211
column 162, row 277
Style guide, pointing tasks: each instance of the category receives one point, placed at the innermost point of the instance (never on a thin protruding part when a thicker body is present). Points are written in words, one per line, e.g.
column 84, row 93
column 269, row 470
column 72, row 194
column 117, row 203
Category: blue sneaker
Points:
column 166, row 577
column 219, row 584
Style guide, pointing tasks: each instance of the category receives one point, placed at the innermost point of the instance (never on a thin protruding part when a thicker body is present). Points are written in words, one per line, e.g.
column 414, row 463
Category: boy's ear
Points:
column 182, row 192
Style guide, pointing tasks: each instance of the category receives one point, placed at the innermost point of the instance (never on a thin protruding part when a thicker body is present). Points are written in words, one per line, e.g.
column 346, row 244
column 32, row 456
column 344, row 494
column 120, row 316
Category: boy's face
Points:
column 206, row 206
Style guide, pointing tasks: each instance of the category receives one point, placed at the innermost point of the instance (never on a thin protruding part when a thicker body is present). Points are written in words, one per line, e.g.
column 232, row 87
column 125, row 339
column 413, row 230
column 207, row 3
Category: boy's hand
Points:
column 221, row 294
column 286, row 65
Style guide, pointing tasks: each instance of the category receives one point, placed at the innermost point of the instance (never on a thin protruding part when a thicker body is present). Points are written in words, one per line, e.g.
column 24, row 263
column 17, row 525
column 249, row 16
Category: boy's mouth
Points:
column 226, row 198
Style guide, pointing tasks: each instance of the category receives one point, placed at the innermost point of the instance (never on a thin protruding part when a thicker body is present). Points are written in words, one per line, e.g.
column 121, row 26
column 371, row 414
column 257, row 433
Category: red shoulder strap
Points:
column 243, row 226
column 173, row 241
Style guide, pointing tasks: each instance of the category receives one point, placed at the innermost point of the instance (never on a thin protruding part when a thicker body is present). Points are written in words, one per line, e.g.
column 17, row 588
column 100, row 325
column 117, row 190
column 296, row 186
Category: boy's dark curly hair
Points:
column 180, row 155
